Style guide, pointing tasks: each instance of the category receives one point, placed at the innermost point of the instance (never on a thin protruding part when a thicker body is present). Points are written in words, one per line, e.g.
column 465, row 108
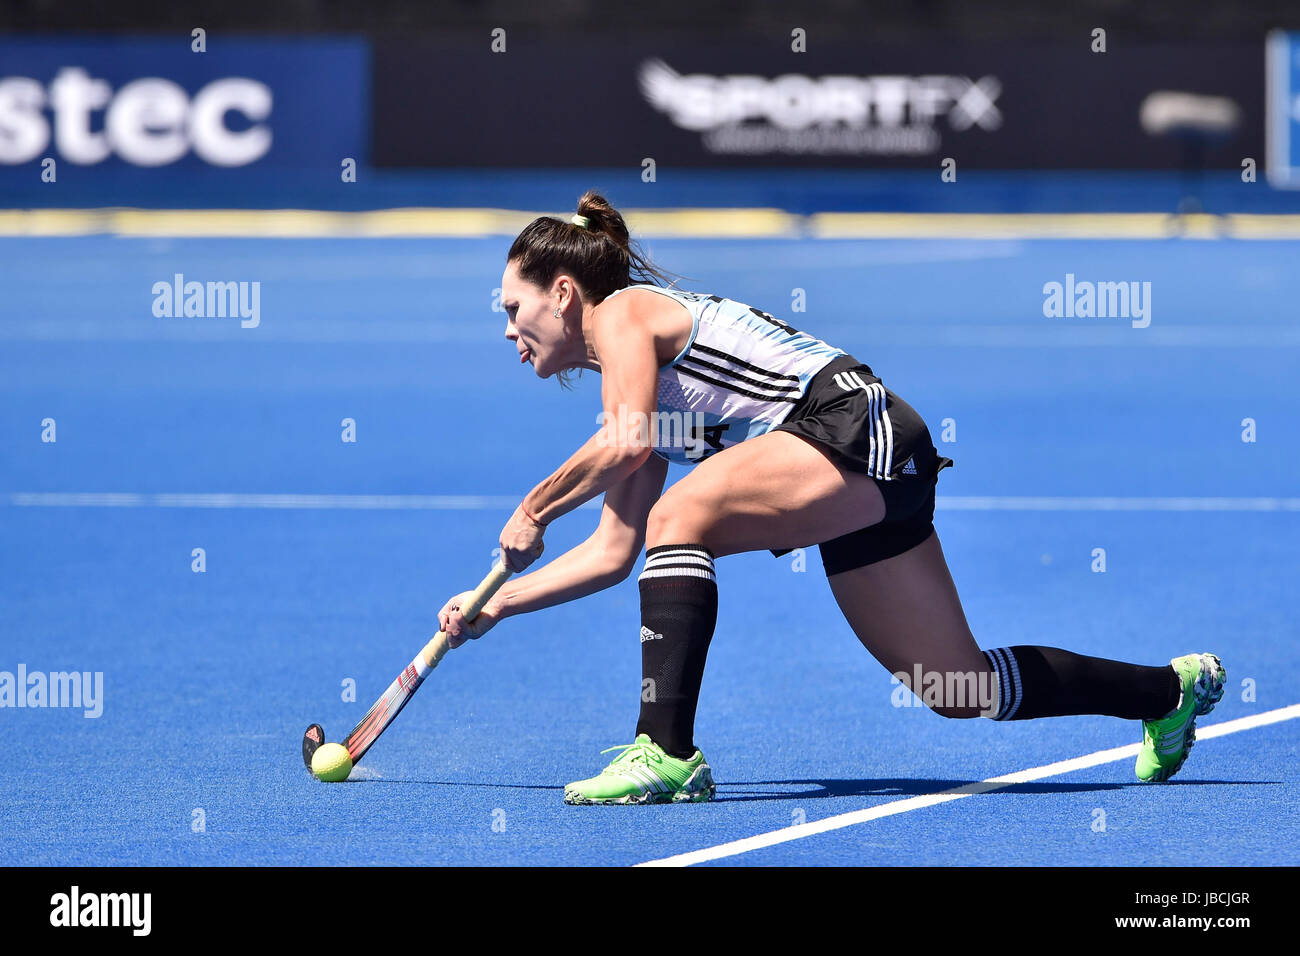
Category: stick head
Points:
column 312, row 738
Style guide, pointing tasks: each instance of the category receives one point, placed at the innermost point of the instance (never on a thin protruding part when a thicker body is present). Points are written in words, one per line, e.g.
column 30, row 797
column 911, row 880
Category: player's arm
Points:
column 601, row 561
column 605, row 558
column 629, row 373
column 626, row 348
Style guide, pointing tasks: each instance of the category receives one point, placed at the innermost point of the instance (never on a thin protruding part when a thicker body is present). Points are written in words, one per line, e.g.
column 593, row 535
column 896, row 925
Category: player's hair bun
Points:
column 600, row 256
column 603, row 218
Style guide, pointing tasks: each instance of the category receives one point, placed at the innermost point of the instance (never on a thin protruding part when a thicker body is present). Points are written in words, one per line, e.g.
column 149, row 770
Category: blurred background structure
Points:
column 707, row 102
column 1164, row 20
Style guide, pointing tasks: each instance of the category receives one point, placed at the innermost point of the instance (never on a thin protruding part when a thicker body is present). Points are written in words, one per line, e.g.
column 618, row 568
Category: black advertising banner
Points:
column 551, row 100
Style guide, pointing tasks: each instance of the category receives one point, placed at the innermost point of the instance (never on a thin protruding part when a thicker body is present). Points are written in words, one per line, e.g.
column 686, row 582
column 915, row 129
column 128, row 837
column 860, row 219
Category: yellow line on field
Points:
column 848, row 225
column 742, row 223
column 418, row 222
column 739, row 223
column 1266, row 227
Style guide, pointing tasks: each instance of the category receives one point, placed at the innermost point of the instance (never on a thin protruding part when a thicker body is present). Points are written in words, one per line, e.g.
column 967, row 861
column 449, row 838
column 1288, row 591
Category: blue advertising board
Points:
column 1283, row 123
column 117, row 107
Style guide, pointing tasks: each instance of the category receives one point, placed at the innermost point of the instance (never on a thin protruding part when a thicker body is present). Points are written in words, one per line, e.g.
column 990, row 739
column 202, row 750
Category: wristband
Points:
column 524, row 509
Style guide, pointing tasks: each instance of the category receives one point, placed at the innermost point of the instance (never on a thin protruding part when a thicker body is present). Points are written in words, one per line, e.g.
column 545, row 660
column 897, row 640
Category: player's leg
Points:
column 906, row 612
column 774, row 491
column 771, row 492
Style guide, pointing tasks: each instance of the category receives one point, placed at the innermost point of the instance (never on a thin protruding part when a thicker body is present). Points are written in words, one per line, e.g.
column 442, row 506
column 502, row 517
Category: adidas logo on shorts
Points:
column 649, row 635
column 910, row 467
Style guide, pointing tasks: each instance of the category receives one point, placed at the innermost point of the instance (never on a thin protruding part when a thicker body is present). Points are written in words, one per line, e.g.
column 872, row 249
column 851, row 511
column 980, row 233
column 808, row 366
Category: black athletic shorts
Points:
column 866, row 428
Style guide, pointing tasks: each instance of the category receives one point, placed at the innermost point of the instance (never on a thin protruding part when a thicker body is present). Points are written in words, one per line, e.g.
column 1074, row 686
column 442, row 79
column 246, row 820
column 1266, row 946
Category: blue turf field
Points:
column 210, row 678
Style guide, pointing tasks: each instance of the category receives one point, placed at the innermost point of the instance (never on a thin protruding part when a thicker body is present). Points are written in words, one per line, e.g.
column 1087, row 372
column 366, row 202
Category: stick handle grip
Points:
column 436, row 649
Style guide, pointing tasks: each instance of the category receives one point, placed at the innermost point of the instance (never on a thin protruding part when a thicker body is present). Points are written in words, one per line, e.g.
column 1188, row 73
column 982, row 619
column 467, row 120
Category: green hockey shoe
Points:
column 1167, row 741
column 643, row 773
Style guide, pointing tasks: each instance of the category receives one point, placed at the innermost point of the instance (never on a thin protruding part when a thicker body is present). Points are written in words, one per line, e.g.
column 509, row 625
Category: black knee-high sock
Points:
column 679, row 609
column 1050, row 682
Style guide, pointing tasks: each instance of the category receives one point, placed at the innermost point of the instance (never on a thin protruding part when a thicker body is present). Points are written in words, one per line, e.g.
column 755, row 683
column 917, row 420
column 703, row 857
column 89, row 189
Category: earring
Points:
column 557, row 313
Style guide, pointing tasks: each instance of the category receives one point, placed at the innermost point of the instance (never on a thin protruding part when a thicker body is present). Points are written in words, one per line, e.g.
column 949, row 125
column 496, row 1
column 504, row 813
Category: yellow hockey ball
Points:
column 331, row 763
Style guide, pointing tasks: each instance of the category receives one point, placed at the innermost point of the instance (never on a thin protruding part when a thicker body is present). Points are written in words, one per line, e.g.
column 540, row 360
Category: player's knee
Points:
column 674, row 519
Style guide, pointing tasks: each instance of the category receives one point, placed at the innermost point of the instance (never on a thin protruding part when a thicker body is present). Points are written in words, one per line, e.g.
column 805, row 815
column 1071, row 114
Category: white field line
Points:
column 334, row 331
column 60, row 499
column 840, row 821
column 1032, row 503
column 323, row 502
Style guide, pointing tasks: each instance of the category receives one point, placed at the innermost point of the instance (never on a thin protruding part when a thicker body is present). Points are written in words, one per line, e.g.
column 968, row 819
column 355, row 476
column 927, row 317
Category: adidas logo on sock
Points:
column 649, row 635
column 910, row 467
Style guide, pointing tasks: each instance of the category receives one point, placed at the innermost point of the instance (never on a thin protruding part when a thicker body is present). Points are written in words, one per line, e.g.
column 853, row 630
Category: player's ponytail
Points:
column 599, row 254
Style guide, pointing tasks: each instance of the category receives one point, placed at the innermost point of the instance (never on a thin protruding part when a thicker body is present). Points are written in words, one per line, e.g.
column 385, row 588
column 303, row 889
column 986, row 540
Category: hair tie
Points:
column 581, row 222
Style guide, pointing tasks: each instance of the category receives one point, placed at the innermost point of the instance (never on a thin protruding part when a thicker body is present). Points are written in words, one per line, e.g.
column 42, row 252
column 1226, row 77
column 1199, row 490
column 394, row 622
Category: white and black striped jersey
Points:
column 740, row 374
